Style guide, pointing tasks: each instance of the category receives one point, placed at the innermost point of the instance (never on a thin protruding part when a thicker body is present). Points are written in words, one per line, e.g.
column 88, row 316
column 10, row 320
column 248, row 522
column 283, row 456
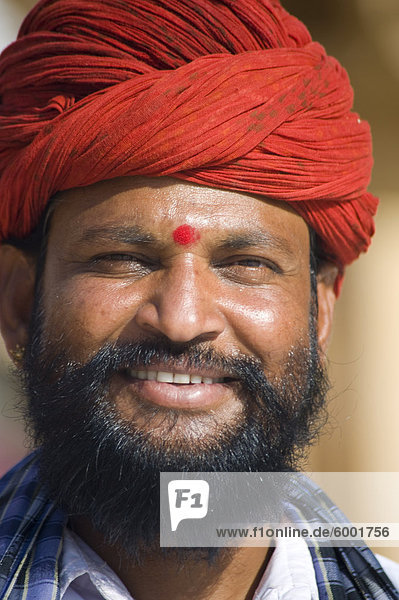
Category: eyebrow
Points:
column 238, row 241
column 116, row 233
column 134, row 234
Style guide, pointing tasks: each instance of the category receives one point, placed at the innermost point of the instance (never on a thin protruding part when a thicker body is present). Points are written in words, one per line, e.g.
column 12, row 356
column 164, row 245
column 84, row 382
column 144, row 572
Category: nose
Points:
column 182, row 304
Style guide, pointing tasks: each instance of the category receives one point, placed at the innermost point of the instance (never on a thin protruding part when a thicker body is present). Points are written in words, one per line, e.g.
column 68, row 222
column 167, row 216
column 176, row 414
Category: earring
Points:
column 17, row 355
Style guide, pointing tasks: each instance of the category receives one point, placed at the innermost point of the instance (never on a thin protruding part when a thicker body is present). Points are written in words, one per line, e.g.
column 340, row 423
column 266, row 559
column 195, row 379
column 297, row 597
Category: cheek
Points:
column 89, row 314
column 269, row 323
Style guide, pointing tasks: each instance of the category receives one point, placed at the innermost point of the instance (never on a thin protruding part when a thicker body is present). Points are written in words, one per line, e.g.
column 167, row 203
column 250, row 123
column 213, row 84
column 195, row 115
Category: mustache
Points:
column 112, row 358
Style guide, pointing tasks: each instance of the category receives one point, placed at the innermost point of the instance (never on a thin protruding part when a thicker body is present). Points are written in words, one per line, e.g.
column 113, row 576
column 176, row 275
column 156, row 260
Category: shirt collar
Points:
column 289, row 574
column 79, row 560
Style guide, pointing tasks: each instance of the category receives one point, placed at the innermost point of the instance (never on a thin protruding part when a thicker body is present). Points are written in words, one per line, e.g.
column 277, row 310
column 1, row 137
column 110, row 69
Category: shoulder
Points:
column 391, row 568
column 18, row 479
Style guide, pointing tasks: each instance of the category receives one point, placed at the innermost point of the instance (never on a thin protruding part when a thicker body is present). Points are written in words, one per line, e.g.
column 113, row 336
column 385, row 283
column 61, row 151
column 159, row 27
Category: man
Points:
column 182, row 186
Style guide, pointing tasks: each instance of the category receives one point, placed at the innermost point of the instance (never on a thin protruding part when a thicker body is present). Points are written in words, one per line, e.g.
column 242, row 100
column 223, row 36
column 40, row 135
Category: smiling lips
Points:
column 179, row 390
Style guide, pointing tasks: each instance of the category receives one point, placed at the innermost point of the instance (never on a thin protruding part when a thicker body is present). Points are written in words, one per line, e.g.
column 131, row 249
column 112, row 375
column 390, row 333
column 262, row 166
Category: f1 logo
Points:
column 188, row 499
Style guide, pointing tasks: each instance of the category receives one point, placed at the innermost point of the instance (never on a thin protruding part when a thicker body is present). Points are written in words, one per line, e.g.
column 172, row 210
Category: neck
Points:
column 233, row 575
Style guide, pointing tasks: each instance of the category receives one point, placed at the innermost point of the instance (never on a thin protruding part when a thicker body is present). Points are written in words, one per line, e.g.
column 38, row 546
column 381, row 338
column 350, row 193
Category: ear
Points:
column 326, row 301
column 17, row 280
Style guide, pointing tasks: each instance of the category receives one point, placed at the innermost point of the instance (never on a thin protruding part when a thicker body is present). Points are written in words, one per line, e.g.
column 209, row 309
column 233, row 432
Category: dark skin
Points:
column 115, row 272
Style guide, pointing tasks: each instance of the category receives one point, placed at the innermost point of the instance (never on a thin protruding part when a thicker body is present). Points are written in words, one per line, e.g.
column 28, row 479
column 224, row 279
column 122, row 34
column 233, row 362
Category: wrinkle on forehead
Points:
column 161, row 206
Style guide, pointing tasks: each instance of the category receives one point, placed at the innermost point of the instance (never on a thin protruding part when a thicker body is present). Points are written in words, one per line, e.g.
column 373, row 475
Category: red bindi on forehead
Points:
column 185, row 235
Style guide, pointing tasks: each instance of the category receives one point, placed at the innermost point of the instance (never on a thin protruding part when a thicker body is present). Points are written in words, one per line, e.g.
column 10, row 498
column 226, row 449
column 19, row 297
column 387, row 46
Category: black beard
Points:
column 97, row 465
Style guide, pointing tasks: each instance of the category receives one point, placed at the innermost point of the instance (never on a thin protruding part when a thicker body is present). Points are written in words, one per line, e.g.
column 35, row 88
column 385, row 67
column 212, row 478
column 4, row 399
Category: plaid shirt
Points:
column 31, row 539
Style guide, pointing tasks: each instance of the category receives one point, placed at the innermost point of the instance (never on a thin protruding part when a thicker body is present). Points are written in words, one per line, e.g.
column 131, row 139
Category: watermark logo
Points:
column 188, row 499
column 256, row 509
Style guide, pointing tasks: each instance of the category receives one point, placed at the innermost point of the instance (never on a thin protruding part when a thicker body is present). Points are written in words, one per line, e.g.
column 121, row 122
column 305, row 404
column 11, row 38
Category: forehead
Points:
column 158, row 205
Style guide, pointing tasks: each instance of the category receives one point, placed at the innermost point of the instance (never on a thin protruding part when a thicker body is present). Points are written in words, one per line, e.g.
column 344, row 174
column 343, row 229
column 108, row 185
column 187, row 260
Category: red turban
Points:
column 229, row 93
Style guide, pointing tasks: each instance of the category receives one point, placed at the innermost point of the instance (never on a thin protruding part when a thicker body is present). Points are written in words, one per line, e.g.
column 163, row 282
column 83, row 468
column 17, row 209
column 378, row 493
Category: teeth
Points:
column 181, row 378
column 166, row 377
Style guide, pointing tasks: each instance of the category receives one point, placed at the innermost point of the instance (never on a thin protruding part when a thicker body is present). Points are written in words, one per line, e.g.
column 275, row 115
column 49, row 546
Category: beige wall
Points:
column 364, row 359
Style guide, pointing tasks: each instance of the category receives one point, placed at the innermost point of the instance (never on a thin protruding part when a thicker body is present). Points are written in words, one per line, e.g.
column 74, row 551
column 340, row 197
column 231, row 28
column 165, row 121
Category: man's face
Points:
column 128, row 300
column 114, row 273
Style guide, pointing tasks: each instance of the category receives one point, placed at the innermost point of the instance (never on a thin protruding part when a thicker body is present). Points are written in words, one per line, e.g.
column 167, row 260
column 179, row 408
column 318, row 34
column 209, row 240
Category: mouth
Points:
column 176, row 378
column 178, row 389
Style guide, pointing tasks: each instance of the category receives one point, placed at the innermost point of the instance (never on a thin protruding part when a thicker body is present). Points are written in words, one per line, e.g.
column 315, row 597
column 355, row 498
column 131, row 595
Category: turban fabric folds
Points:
column 233, row 94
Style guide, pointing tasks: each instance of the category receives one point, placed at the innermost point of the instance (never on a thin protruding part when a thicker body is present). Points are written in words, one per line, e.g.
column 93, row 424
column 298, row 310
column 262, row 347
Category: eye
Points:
column 122, row 264
column 252, row 263
column 250, row 270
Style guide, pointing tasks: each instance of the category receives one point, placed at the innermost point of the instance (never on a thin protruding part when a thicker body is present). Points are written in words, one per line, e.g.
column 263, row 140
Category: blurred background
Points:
column 362, row 434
